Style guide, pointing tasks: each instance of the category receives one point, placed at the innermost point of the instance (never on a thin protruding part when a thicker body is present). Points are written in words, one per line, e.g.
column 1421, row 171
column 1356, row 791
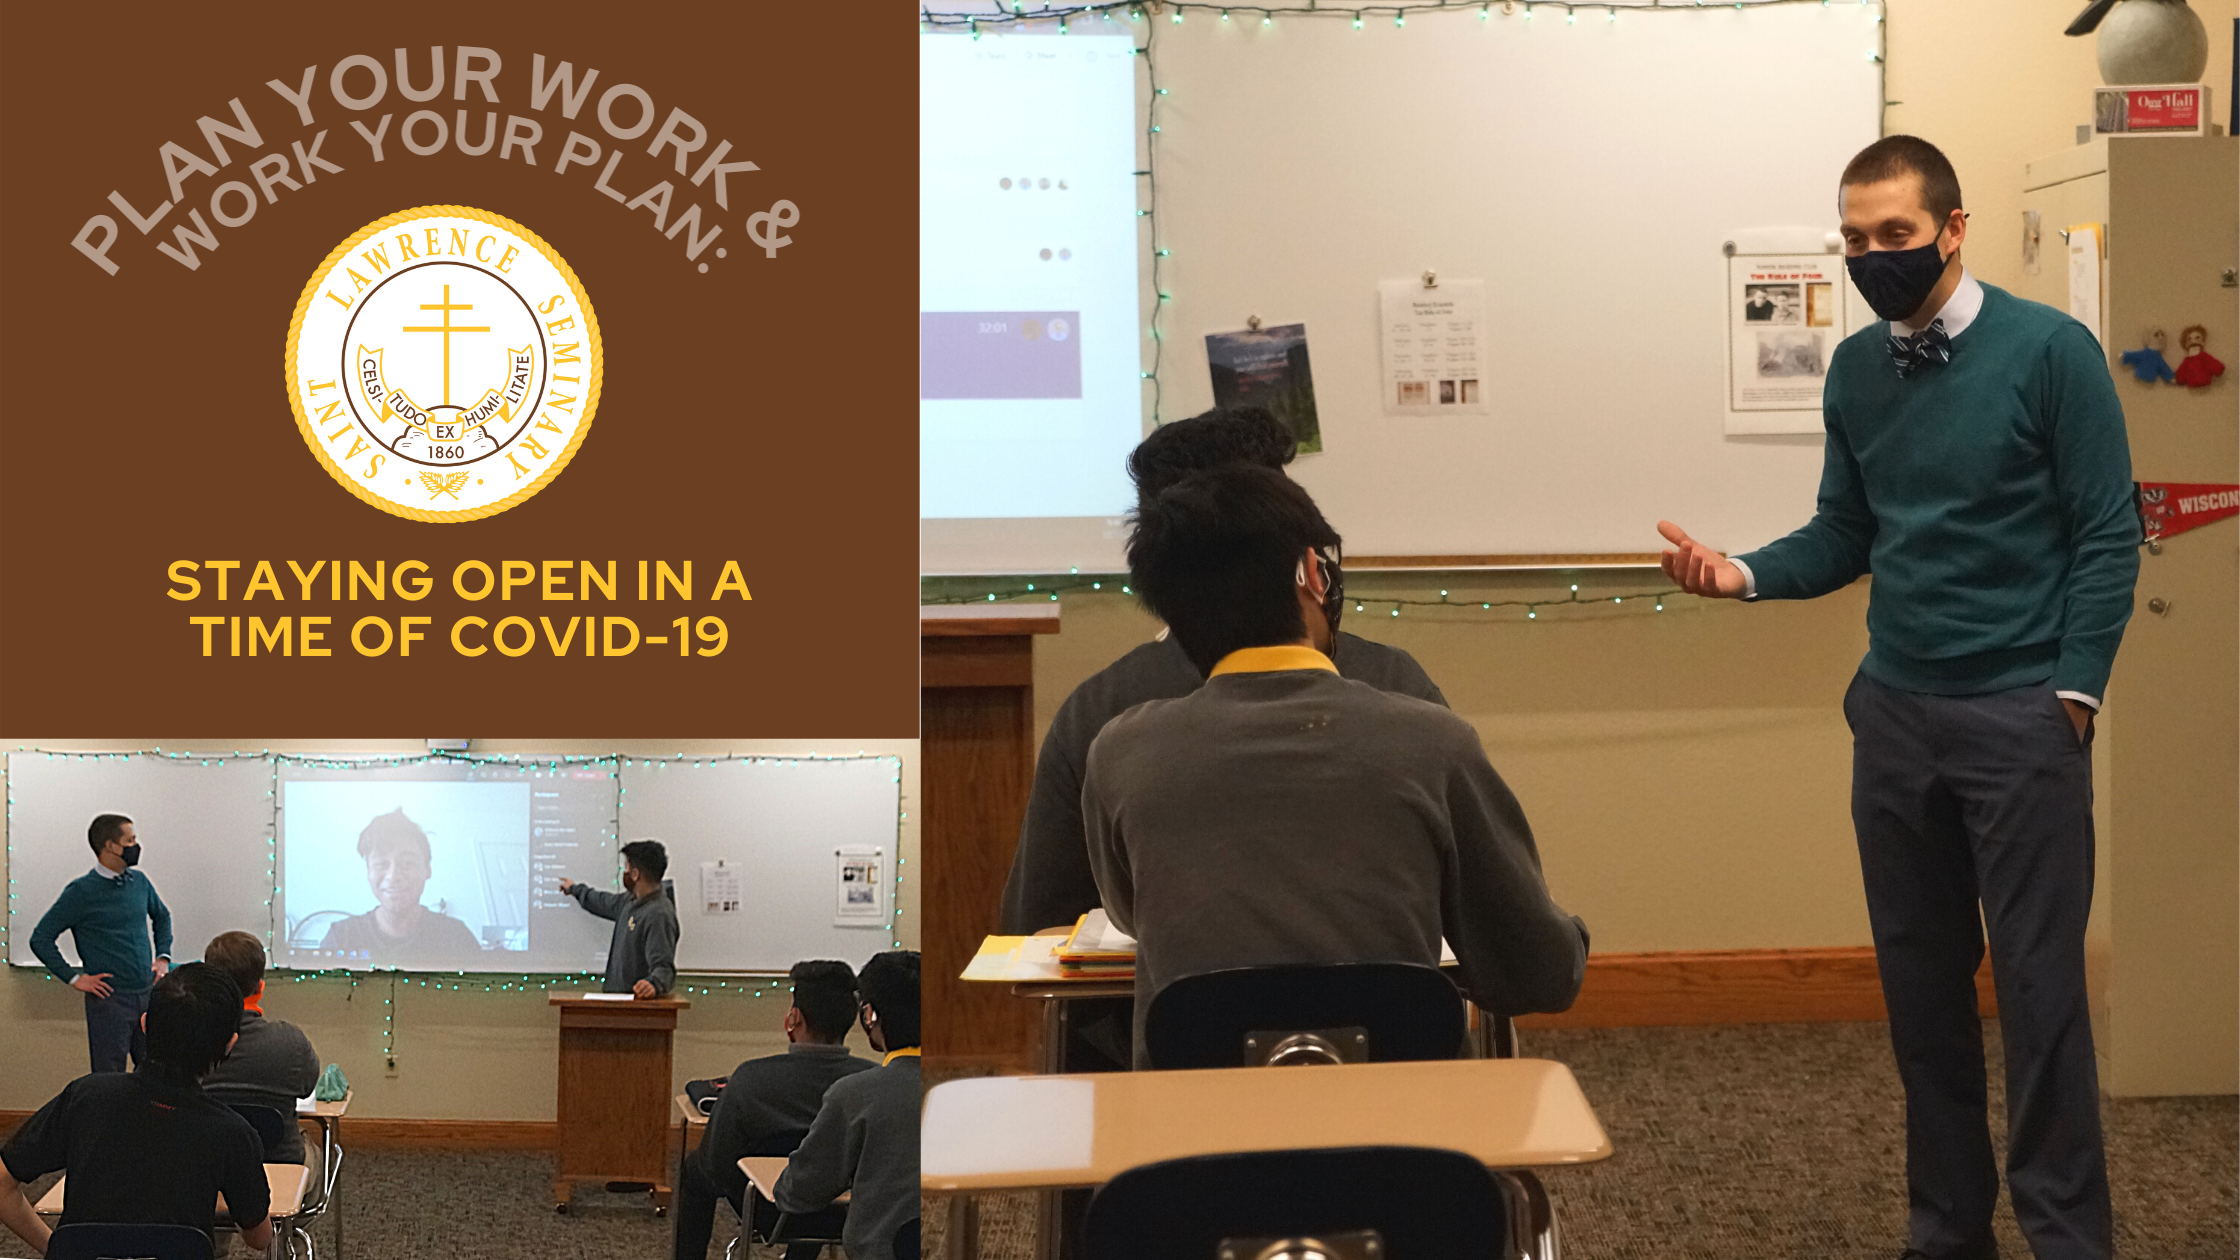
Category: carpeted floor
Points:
column 1787, row 1142
column 1779, row 1142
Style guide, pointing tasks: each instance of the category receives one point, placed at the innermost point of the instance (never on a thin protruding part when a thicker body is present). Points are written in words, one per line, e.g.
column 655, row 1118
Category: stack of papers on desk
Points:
column 1096, row 948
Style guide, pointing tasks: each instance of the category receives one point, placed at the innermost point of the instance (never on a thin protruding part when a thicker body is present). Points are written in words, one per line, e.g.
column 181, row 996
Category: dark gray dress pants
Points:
column 113, row 1029
column 1961, row 801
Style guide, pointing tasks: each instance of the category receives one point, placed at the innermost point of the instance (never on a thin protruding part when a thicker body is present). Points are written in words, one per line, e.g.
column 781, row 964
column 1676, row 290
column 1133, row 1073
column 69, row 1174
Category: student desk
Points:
column 692, row 1126
column 287, row 1181
column 328, row 1116
column 762, row 1173
column 1039, row 1133
column 1028, row 965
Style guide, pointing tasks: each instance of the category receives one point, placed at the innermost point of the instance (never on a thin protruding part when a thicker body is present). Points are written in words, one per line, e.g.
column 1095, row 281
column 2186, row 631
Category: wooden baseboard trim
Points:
column 1740, row 986
column 371, row 1133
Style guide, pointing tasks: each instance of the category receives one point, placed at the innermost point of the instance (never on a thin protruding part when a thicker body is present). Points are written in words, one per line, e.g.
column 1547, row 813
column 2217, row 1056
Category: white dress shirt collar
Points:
column 105, row 873
column 1958, row 311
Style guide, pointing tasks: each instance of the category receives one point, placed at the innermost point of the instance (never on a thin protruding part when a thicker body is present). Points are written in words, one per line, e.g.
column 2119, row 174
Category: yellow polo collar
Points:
column 907, row 1052
column 1264, row 660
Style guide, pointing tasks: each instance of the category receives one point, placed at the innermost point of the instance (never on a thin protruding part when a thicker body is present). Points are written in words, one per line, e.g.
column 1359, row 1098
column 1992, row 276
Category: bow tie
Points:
column 1934, row 345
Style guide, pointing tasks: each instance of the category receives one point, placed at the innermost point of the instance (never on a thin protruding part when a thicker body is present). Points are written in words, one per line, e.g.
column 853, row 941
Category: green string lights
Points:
column 1651, row 601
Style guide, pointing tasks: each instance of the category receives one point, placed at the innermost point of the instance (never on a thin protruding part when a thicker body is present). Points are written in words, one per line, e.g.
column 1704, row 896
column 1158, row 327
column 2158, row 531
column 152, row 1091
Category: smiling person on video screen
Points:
column 399, row 931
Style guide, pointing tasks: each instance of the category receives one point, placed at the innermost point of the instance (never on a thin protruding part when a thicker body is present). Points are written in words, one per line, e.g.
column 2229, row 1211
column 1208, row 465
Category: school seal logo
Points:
column 443, row 363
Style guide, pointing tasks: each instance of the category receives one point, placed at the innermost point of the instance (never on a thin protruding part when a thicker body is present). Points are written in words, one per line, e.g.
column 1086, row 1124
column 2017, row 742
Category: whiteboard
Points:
column 780, row 821
column 207, row 824
column 1588, row 172
column 205, row 832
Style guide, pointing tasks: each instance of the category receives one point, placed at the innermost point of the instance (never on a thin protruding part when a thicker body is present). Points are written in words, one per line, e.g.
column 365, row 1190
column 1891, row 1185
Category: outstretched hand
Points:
column 566, row 883
column 1698, row 569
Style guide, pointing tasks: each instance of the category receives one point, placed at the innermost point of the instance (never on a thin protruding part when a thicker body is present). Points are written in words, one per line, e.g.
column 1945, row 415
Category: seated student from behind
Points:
column 768, row 1105
column 1283, row 814
column 148, row 1148
column 865, row 1140
column 1050, row 884
column 273, row 1063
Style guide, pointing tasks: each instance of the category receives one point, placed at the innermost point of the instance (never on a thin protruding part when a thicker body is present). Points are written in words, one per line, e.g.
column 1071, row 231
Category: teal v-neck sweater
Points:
column 1990, row 497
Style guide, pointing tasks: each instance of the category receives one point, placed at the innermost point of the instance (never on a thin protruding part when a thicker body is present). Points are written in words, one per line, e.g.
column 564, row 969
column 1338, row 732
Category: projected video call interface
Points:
column 443, row 867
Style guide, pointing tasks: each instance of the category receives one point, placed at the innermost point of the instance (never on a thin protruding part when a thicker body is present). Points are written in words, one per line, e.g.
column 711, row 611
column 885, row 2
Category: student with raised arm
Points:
column 108, row 913
column 642, row 958
column 1976, row 465
column 865, row 1139
column 1050, row 884
column 147, row 1147
column 1282, row 813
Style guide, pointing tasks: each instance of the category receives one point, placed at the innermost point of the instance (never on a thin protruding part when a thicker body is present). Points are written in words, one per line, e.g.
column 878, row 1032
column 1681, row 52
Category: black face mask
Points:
column 1895, row 282
column 130, row 854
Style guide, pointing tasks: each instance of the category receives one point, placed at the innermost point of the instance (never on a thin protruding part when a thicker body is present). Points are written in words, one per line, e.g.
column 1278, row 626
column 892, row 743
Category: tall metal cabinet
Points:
column 2165, row 940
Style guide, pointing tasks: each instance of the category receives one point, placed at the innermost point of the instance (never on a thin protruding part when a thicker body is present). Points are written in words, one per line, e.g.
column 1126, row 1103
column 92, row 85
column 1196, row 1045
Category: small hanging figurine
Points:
column 2147, row 363
column 2199, row 368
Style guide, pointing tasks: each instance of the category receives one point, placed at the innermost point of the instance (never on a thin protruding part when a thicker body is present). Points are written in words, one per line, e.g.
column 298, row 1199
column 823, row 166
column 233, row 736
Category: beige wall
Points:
column 1994, row 83
column 460, row 1055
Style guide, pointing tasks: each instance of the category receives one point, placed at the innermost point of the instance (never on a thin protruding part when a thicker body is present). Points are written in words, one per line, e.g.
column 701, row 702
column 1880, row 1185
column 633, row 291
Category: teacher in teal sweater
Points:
column 108, row 912
column 1977, row 466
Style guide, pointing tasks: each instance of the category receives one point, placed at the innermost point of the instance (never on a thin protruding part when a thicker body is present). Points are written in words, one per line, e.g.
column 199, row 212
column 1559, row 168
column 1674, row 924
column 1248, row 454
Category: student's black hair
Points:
column 1216, row 555
column 193, row 1014
column 649, row 857
column 825, row 993
column 1893, row 156
column 105, row 827
column 889, row 985
column 1224, row 435
column 394, row 830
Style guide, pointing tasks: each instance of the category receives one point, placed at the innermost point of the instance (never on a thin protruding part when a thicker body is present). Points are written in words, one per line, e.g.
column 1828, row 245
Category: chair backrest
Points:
column 1385, row 1202
column 272, row 1127
column 906, row 1240
column 1378, row 1012
column 129, row 1242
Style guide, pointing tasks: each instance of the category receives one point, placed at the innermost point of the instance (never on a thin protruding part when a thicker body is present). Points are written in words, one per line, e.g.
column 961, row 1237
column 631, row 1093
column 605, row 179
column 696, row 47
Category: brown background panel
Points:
column 764, row 411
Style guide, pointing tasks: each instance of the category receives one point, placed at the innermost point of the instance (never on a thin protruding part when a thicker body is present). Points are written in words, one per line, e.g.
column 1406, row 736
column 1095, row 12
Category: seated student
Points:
column 1284, row 814
column 865, row 1139
column 399, row 931
column 1050, row 884
column 148, row 1148
column 273, row 1063
column 768, row 1104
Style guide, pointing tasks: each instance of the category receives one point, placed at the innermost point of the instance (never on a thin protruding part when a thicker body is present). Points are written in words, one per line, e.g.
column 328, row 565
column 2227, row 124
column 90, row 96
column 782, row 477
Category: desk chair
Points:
column 112, row 1242
column 906, row 1241
column 272, row 1130
column 1352, row 1203
column 1305, row 1013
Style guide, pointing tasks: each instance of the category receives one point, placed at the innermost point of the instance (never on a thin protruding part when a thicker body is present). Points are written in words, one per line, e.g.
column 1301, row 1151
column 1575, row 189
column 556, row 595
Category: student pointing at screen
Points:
column 643, row 958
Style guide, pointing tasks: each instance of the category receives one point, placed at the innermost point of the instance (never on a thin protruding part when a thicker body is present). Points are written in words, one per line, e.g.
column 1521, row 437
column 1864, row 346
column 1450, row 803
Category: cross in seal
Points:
column 446, row 328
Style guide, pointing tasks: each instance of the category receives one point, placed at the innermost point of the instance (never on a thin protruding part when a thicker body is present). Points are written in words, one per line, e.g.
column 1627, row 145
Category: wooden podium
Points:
column 976, row 766
column 614, row 1093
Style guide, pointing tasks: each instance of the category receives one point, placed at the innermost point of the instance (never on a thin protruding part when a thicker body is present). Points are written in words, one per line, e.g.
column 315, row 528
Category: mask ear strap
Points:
column 1299, row 573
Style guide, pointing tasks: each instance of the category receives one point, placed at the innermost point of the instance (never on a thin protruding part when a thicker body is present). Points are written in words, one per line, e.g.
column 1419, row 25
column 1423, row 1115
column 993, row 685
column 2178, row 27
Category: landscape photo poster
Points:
column 1267, row 367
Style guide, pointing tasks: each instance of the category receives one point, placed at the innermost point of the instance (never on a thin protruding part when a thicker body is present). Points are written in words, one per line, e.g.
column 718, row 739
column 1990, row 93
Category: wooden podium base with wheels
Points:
column 615, row 1061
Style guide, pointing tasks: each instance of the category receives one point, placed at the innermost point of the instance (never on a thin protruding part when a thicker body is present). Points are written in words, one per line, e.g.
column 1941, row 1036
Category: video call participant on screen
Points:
column 273, row 1063
column 642, row 959
column 768, row 1104
column 108, row 913
column 1050, row 884
column 148, row 1147
column 865, row 1139
column 399, row 931
column 1284, row 814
